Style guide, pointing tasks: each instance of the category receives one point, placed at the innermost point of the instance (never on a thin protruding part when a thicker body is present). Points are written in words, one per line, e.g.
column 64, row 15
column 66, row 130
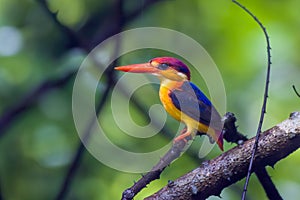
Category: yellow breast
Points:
column 168, row 104
column 164, row 92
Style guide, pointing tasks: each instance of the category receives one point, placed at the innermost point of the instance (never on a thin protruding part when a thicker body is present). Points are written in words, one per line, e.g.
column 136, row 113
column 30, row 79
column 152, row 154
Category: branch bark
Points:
column 232, row 135
column 215, row 175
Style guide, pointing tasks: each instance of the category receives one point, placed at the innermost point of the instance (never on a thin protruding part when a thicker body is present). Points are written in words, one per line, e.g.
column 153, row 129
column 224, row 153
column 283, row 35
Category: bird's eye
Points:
column 163, row 66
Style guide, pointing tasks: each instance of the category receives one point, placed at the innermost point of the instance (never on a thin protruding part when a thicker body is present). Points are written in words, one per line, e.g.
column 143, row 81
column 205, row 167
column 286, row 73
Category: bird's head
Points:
column 163, row 67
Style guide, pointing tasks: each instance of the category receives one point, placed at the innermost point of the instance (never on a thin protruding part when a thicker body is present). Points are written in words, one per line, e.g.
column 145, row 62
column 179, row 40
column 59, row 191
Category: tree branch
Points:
column 214, row 175
column 30, row 99
column 170, row 156
column 71, row 36
column 232, row 135
column 267, row 183
column 109, row 85
column 70, row 174
column 107, row 28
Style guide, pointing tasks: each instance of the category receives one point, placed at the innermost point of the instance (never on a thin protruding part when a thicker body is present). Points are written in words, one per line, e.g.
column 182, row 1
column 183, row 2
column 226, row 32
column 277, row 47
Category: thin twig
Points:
column 174, row 152
column 294, row 87
column 263, row 109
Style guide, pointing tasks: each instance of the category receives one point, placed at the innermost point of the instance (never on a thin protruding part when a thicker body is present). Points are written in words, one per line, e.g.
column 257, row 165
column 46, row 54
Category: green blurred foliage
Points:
column 36, row 150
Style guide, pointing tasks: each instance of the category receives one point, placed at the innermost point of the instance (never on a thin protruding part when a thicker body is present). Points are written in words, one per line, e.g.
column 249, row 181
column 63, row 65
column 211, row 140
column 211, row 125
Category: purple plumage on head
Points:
column 174, row 63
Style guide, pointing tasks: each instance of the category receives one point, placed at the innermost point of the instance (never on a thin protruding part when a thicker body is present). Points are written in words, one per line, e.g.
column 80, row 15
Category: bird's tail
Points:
column 216, row 136
column 220, row 139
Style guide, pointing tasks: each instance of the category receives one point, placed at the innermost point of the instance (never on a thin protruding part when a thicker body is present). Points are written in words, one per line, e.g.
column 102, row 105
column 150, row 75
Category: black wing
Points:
column 191, row 101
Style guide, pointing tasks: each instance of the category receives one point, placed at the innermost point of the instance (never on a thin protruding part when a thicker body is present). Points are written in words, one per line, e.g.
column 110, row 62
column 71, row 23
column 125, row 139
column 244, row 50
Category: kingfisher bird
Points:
column 182, row 99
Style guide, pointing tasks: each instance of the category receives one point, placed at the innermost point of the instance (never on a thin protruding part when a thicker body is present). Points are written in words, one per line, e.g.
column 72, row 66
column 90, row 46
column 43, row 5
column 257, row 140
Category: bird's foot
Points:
column 183, row 137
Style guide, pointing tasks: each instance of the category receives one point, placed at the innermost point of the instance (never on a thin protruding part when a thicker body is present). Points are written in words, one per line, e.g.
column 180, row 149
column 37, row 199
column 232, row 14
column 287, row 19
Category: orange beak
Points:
column 138, row 68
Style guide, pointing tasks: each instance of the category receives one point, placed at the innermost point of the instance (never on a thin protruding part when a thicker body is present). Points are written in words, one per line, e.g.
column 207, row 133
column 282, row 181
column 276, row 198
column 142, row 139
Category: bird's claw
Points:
column 183, row 137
